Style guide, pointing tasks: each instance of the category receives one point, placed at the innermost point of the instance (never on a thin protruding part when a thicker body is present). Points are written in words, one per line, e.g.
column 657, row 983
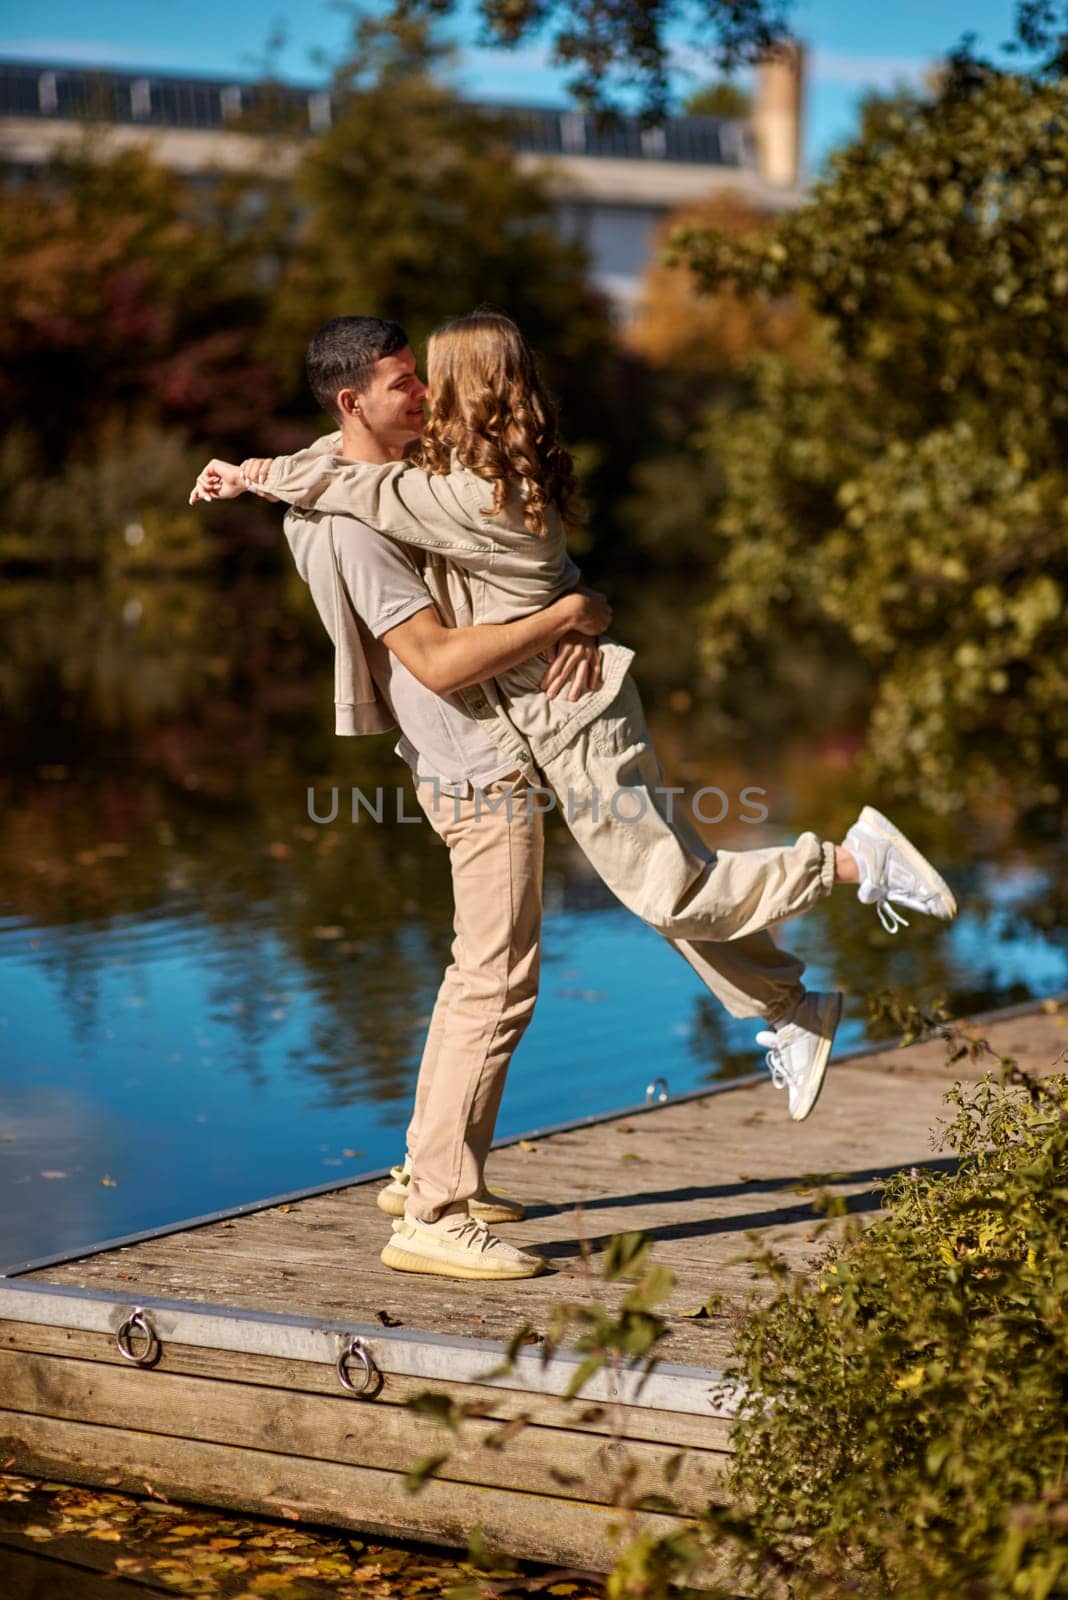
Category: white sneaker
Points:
column 800, row 1049
column 893, row 872
column 486, row 1206
column 456, row 1246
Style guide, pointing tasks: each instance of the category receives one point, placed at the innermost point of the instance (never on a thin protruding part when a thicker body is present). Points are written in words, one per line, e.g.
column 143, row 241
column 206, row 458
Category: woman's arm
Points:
column 405, row 502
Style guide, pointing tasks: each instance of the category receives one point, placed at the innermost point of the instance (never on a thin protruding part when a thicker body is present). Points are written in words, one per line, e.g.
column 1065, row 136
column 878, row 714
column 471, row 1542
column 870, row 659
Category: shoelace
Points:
column 477, row 1229
column 776, row 1064
column 887, row 913
column 879, row 895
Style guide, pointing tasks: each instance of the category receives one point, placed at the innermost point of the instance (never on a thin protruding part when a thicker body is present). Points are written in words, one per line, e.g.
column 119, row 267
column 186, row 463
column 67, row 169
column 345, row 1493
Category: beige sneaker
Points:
column 487, row 1207
column 456, row 1246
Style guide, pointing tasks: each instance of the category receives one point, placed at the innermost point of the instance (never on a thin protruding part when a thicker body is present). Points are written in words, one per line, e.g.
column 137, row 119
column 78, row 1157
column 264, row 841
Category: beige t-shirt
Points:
column 440, row 739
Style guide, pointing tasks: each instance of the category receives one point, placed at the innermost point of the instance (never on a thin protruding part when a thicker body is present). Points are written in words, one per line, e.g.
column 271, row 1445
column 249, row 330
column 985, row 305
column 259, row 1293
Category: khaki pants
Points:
column 488, row 993
column 713, row 906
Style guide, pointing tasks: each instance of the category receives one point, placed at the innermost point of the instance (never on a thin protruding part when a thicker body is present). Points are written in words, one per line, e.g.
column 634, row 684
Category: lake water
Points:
column 206, row 998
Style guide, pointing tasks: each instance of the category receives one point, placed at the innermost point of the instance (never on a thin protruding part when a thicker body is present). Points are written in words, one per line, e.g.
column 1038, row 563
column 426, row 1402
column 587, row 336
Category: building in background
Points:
column 615, row 183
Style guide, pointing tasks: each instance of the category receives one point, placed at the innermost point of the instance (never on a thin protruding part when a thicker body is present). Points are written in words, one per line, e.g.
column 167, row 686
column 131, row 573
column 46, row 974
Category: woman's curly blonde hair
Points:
column 489, row 412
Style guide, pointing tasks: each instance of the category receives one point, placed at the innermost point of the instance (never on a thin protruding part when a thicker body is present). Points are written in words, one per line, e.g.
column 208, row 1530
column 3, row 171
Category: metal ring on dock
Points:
column 137, row 1322
column 356, row 1350
column 657, row 1090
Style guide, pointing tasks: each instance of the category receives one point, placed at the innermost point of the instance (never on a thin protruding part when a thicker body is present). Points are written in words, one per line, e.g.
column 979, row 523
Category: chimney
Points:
column 777, row 113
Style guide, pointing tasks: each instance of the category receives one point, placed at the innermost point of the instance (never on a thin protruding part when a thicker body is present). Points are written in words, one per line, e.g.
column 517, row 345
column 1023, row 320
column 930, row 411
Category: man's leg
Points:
column 428, row 1061
column 489, row 993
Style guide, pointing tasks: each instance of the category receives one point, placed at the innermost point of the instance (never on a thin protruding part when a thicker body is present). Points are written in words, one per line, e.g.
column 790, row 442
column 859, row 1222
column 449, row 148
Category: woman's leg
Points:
column 750, row 977
column 610, row 787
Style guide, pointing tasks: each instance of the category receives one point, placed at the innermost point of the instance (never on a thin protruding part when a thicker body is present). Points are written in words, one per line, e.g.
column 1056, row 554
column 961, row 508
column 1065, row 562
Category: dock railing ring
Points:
column 356, row 1350
column 137, row 1323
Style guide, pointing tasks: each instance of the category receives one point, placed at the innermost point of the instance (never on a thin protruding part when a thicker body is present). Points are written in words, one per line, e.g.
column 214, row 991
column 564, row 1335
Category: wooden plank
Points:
column 526, row 1525
column 547, row 1461
column 393, row 1350
column 677, row 1428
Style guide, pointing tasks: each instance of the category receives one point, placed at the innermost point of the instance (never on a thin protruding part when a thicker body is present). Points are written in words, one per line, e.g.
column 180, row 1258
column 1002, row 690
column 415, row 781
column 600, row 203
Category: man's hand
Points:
column 576, row 657
column 588, row 611
column 254, row 470
column 219, row 480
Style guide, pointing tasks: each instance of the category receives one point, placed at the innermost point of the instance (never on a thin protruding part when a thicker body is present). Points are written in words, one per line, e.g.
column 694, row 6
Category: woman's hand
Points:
column 219, row 480
column 589, row 611
column 575, row 658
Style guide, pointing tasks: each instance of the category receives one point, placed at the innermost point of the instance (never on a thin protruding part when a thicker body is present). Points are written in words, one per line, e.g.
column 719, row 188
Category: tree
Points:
column 906, row 490
column 677, row 326
column 126, row 301
column 415, row 207
column 723, row 99
column 626, row 47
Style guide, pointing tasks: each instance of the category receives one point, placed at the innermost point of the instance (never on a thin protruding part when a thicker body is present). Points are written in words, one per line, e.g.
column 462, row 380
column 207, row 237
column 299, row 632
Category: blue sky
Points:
column 852, row 46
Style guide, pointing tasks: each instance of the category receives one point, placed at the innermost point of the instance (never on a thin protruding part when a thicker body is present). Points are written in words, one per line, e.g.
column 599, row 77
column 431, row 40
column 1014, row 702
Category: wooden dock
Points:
column 242, row 1405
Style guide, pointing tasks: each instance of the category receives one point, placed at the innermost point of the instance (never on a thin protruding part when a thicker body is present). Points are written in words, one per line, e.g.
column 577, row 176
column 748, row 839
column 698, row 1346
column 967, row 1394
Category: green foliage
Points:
column 629, row 47
column 420, row 1475
column 414, row 207
column 900, row 494
column 102, row 510
column 905, row 1432
column 609, row 49
column 605, row 1338
column 722, row 99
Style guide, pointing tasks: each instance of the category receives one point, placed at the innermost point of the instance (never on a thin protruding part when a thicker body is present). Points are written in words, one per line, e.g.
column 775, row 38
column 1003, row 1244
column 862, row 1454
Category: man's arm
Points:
column 446, row 659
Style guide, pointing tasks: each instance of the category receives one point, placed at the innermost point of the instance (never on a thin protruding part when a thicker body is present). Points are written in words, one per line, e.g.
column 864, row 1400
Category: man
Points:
column 397, row 662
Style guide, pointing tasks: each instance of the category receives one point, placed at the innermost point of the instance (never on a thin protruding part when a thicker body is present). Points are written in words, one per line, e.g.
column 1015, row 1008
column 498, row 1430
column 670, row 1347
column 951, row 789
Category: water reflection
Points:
column 206, row 998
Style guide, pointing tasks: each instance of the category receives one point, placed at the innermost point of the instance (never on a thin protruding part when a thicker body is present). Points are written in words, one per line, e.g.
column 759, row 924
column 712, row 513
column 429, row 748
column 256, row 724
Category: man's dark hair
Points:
column 343, row 354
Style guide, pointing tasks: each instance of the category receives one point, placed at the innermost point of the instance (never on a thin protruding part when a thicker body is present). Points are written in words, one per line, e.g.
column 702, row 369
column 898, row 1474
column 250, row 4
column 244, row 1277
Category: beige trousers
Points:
column 714, row 907
column 488, row 992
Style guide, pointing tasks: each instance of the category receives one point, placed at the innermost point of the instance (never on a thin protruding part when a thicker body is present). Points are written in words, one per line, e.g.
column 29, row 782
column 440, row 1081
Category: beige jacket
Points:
column 477, row 569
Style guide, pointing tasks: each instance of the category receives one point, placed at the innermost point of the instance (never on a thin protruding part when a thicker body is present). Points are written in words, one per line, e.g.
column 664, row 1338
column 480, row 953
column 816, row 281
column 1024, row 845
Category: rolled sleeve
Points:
column 384, row 581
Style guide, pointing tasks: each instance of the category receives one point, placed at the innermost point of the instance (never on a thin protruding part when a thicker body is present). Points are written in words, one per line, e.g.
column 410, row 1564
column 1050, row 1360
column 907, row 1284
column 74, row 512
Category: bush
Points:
column 905, row 1431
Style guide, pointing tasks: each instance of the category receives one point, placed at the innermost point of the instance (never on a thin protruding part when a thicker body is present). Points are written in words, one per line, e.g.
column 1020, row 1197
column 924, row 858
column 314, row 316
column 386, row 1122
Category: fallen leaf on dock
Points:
column 525, row 1144
column 712, row 1307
